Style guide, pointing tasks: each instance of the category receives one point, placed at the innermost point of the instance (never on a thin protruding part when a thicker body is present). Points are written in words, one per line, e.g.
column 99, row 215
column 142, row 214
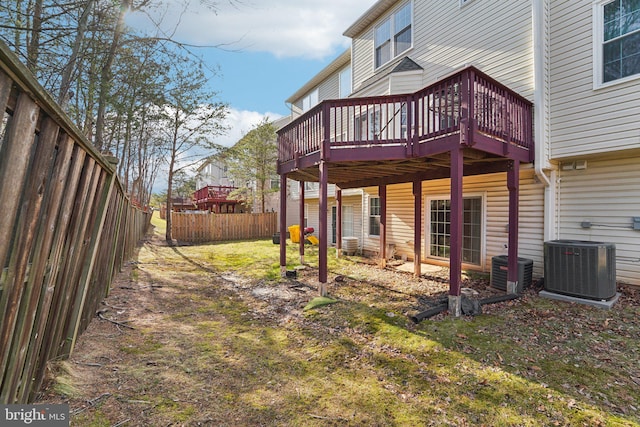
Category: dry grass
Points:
column 221, row 340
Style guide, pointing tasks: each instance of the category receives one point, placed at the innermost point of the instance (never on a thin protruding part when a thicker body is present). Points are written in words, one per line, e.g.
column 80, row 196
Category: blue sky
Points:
column 270, row 47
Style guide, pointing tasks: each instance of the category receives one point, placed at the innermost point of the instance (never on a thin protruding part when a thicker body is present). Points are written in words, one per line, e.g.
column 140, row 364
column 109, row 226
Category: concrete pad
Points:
column 596, row 303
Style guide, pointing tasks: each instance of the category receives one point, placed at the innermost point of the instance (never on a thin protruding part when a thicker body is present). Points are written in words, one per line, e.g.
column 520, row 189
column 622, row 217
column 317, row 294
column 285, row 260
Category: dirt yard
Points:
column 188, row 336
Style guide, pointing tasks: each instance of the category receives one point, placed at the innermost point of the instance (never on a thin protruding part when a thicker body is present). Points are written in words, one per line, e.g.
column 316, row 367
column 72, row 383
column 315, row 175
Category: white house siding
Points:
column 330, row 88
column 355, row 201
column 495, row 38
column 585, row 121
column 405, row 82
column 607, row 194
column 212, row 174
column 351, row 198
column 493, row 188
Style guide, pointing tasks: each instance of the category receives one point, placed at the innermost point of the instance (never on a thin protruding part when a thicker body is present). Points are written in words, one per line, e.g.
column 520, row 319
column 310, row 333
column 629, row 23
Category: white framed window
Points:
column 347, row 221
column 360, row 127
column 345, row 82
column 311, row 186
column 616, row 44
column 367, row 126
column 403, row 121
column 310, row 101
column 438, row 220
column 374, row 216
column 393, row 35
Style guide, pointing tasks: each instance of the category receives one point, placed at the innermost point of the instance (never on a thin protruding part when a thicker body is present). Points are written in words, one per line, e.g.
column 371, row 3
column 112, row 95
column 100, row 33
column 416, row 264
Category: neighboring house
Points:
column 213, row 172
column 577, row 63
column 213, row 187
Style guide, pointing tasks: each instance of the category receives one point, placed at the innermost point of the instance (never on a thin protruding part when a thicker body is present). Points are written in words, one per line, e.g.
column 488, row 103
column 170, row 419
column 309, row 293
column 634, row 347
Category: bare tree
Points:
column 192, row 120
column 253, row 160
column 111, row 79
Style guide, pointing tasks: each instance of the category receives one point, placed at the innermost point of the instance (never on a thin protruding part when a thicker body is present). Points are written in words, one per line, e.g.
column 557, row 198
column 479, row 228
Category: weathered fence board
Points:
column 67, row 227
column 31, row 338
column 27, row 227
column 208, row 227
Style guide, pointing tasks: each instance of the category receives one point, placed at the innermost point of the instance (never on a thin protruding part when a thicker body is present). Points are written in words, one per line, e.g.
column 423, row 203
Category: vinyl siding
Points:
column 356, row 204
column 496, row 201
column 408, row 82
column 446, row 37
column 585, row 121
column 328, row 89
column 353, row 200
column 607, row 194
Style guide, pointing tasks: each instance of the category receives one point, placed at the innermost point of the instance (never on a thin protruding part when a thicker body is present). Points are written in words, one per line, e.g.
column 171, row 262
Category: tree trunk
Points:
column 262, row 191
column 65, row 84
column 105, row 75
column 169, row 234
column 172, row 163
column 33, row 48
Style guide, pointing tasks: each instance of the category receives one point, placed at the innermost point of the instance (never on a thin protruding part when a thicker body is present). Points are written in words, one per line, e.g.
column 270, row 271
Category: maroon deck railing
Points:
column 213, row 193
column 468, row 99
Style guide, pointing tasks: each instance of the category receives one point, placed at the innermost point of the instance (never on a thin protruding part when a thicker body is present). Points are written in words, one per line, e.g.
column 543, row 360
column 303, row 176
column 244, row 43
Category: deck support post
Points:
column 455, row 245
column 322, row 245
column 283, row 225
column 302, row 224
column 382, row 192
column 417, row 227
column 338, row 222
column 513, row 184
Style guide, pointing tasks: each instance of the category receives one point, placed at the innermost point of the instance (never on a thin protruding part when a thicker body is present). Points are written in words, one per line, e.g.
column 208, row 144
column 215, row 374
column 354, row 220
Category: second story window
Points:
column 616, row 41
column 393, row 35
column 621, row 44
column 345, row 82
column 310, row 100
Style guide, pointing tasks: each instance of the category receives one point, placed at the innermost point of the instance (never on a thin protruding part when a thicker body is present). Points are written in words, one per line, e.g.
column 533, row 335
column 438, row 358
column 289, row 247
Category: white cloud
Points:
column 240, row 122
column 286, row 28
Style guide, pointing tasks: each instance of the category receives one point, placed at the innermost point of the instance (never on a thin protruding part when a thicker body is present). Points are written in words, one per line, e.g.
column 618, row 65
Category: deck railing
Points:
column 213, row 193
column 467, row 99
column 66, row 225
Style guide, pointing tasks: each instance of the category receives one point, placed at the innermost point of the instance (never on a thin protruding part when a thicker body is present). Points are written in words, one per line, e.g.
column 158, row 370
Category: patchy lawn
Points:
column 210, row 335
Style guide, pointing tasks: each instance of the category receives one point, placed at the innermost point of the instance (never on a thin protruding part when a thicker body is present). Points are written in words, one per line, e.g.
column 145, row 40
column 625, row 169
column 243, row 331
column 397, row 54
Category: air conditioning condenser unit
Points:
column 579, row 268
column 499, row 272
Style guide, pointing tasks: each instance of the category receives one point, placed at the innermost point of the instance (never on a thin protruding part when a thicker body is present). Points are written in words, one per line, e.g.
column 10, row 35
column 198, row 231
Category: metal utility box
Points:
column 579, row 268
column 499, row 269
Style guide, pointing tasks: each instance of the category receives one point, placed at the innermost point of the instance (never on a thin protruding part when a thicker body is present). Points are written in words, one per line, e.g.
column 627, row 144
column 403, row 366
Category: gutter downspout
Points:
column 540, row 108
column 362, row 219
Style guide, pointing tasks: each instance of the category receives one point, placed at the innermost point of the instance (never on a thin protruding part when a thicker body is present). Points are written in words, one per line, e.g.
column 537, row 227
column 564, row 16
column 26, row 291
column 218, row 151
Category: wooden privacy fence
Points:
column 208, row 227
column 66, row 228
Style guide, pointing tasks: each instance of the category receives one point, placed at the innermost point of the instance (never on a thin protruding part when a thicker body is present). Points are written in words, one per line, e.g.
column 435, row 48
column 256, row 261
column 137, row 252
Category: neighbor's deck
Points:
column 215, row 198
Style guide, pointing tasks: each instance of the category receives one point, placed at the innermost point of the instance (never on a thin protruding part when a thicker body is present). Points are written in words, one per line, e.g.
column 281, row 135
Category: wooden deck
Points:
column 465, row 124
column 390, row 139
column 215, row 198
